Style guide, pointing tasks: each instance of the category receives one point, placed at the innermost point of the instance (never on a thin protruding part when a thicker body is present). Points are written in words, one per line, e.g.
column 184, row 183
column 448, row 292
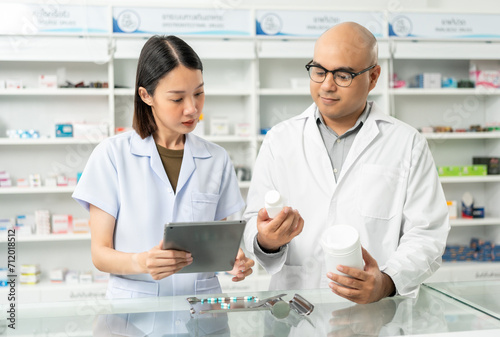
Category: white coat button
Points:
column 178, row 322
column 338, row 140
column 335, row 170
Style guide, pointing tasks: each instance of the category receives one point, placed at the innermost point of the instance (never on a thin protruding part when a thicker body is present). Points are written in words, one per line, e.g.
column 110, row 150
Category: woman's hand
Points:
column 160, row 263
column 242, row 267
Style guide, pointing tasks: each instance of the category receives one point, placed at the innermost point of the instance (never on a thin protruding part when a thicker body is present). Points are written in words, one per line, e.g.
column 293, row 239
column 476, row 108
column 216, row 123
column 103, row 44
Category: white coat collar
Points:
column 194, row 147
column 317, row 155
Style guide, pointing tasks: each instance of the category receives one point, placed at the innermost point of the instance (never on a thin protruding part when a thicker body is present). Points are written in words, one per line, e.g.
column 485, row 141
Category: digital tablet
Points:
column 213, row 244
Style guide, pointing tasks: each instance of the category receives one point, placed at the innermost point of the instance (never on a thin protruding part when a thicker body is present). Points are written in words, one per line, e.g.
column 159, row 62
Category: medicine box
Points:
column 72, row 277
column 428, row 80
column 64, row 130
column 47, row 81
column 61, row 223
column 474, row 170
column 486, row 78
column 452, row 209
column 86, row 277
column 491, row 162
column 242, row 130
column 219, row 127
column 58, row 275
column 14, row 84
column 92, row 132
column 30, row 269
column 449, row 171
column 29, row 278
column 81, row 226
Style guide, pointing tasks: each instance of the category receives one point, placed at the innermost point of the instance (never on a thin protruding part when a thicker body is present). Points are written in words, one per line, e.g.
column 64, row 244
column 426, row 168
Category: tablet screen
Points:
column 213, row 244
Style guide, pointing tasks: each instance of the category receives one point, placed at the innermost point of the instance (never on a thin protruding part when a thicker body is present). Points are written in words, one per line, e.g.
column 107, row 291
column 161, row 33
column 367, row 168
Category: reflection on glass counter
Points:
column 482, row 295
column 433, row 313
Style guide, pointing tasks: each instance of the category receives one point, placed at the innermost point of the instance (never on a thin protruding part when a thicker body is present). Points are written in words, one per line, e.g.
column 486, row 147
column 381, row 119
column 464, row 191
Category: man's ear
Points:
column 374, row 75
column 146, row 98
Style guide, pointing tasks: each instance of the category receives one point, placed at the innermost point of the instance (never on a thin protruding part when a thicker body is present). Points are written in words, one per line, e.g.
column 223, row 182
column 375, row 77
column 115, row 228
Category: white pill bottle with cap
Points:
column 341, row 246
column 273, row 203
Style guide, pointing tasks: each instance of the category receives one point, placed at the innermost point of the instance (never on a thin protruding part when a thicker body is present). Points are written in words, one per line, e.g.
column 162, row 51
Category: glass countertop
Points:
column 432, row 314
column 482, row 295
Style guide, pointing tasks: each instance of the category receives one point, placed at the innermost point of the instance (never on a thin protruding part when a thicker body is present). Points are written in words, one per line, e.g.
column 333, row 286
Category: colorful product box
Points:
column 29, row 278
column 30, row 269
column 64, row 130
column 491, row 162
column 47, row 81
column 58, row 275
column 449, row 171
column 62, row 223
column 474, row 170
column 486, row 78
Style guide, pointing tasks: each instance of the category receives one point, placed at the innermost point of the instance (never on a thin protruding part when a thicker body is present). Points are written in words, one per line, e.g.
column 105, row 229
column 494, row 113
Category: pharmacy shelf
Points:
column 228, row 139
column 466, row 271
column 46, row 141
column 463, row 135
column 471, row 179
column 47, row 285
column 46, row 291
column 475, row 222
column 284, row 92
column 51, row 237
column 37, row 190
column 70, row 141
column 444, row 91
column 208, row 92
column 55, row 92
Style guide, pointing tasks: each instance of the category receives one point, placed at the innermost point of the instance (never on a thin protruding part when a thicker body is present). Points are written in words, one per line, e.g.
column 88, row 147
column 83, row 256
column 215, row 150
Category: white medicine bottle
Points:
column 273, row 203
column 341, row 246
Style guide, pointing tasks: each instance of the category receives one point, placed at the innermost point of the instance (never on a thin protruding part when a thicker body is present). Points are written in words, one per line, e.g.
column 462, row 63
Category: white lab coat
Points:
column 388, row 190
column 125, row 177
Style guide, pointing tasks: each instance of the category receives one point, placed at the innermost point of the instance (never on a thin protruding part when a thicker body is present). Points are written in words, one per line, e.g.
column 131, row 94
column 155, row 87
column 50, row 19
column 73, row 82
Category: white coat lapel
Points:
column 316, row 154
column 147, row 148
column 363, row 139
column 193, row 148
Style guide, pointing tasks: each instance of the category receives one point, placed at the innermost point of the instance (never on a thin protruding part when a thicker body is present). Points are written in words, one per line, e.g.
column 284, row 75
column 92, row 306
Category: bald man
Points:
column 346, row 161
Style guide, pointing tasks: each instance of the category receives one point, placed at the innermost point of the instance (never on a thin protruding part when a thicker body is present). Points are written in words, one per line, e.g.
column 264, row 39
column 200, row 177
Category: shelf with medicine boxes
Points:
column 47, row 81
column 47, row 291
column 441, row 88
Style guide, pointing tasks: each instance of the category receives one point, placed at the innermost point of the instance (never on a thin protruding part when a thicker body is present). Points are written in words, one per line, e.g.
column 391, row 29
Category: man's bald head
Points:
column 354, row 39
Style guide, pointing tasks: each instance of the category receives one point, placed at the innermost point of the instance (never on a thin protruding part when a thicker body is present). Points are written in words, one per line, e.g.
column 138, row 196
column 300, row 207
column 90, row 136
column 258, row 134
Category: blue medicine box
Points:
column 64, row 130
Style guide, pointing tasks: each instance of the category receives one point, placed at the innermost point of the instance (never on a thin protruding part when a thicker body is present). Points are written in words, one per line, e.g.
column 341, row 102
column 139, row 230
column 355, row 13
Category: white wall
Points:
column 467, row 6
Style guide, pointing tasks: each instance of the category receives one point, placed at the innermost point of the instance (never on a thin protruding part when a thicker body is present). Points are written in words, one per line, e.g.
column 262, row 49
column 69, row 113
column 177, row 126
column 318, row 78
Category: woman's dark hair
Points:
column 159, row 56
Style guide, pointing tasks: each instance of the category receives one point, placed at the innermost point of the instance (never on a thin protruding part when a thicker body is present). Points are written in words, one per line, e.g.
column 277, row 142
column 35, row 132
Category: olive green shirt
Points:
column 171, row 160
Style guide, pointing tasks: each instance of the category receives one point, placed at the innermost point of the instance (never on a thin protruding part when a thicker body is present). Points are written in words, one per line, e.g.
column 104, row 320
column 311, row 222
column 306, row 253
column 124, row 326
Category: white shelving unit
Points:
column 458, row 108
column 80, row 59
column 36, row 190
column 255, row 80
column 52, row 237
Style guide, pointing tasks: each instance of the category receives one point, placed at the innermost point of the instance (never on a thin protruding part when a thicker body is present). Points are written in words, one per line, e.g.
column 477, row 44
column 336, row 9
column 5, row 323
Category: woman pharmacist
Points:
column 137, row 181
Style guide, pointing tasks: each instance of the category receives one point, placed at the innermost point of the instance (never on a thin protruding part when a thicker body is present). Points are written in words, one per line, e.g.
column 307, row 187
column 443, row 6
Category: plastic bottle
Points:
column 273, row 203
column 341, row 246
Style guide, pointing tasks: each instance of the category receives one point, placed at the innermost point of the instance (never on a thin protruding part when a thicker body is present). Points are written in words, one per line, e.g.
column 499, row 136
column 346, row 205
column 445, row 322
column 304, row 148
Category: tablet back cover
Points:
column 213, row 245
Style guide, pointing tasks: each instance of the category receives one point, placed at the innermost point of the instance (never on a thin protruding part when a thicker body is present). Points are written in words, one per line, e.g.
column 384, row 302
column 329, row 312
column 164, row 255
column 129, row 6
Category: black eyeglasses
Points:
column 342, row 78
